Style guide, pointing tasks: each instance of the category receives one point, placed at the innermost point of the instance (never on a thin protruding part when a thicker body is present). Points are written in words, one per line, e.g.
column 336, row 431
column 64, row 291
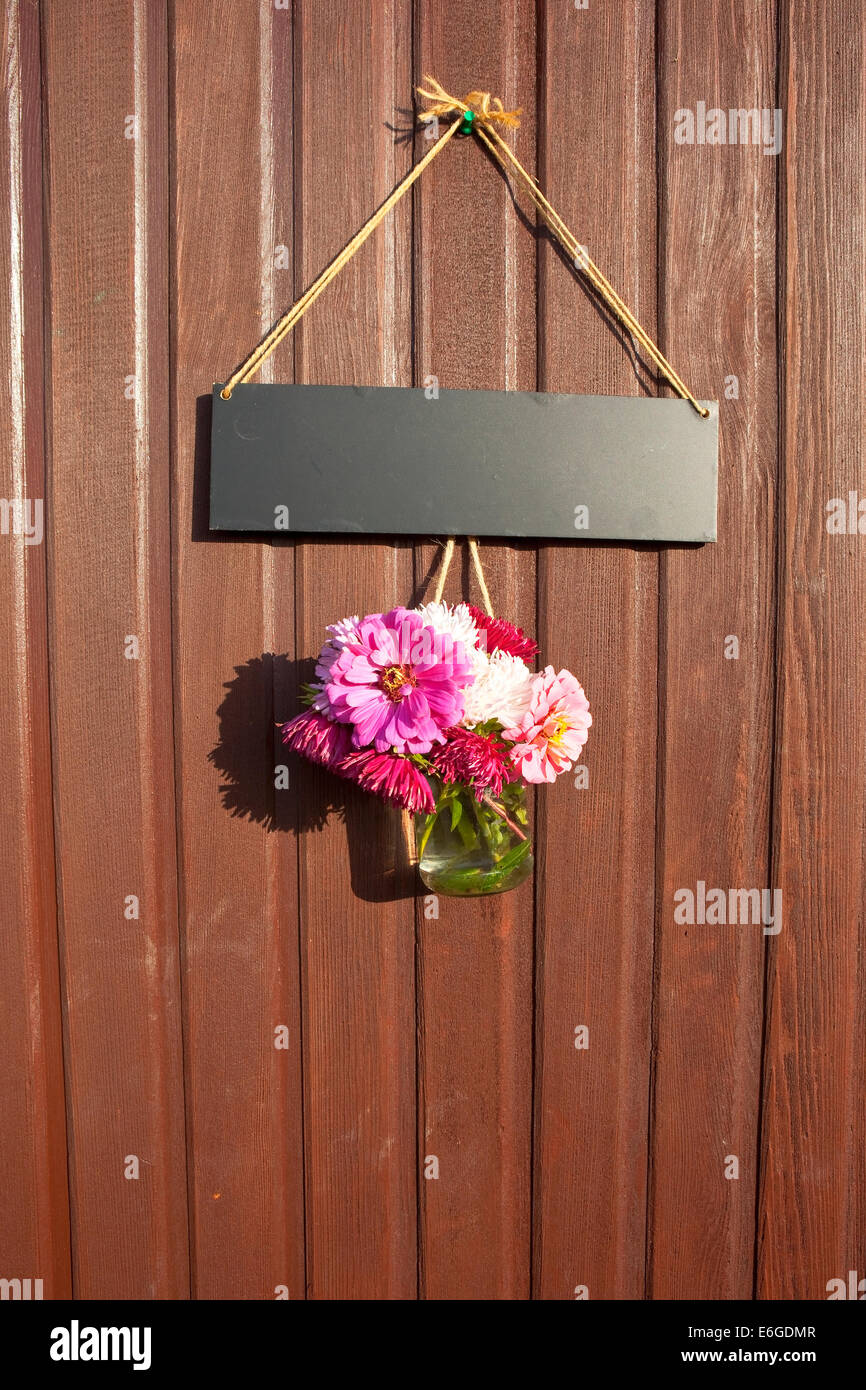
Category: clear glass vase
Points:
column 467, row 848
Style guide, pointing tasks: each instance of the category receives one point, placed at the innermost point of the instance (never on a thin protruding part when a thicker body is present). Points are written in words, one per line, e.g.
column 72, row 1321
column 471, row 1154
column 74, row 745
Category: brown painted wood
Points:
column 109, row 582
column 475, row 328
column 597, row 609
column 234, row 671
column 34, row 1237
column 812, row 1212
column 716, row 220
column 265, row 138
column 355, row 906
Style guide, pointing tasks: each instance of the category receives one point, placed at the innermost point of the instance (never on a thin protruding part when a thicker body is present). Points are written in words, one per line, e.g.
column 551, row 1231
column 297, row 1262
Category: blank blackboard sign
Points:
column 401, row 461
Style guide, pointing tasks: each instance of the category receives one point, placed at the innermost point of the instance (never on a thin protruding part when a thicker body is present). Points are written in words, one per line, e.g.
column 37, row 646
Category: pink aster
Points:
column 398, row 683
column 340, row 632
column 503, row 636
column 390, row 776
column 479, row 761
column 318, row 739
column 554, row 728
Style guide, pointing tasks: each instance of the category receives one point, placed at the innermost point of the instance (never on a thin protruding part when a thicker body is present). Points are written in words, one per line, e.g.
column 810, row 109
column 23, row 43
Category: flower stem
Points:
column 431, row 821
column 503, row 814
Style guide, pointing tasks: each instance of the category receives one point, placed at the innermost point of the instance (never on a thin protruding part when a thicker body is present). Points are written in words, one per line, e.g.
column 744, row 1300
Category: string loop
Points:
column 445, row 565
column 479, row 113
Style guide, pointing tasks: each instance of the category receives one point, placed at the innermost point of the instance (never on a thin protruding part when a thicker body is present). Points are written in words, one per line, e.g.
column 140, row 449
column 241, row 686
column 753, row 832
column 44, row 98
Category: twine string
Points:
column 286, row 323
column 483, row 114
column 476, row 560
column 445, row 565
column 485, row 128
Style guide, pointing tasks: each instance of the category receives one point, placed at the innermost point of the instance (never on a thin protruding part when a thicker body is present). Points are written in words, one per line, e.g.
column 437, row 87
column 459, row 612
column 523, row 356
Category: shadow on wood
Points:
column 255, row 767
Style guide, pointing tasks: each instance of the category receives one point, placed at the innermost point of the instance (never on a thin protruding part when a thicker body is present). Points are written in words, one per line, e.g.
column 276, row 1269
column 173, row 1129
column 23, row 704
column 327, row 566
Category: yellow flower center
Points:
column 393, row 680
column 556, row 728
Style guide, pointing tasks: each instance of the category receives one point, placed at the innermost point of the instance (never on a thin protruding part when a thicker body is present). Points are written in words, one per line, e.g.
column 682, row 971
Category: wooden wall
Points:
column 174, row 175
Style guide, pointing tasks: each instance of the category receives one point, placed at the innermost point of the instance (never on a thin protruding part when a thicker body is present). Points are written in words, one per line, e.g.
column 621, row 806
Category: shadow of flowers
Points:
column 265, row 783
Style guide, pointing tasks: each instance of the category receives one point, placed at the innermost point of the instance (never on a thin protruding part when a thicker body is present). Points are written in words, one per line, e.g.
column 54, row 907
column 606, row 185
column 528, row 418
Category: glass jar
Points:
column 468, row 847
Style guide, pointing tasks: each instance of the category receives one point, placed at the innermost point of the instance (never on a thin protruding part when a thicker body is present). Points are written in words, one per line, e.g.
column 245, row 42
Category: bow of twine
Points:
column 486, row 108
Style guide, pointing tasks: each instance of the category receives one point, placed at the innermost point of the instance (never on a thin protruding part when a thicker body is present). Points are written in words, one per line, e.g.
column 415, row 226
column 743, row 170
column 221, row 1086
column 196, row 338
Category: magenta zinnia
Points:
column 398, row 683
column 390, row 776
column 481, row 761
column 318, row 739
column 503, row 636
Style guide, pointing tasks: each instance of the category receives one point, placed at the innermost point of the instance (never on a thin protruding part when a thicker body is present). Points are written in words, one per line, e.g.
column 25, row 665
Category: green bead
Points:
column 468, row 118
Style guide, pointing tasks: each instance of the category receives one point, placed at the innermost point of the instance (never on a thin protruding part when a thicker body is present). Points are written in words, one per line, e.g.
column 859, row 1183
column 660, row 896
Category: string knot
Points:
column 475, row 107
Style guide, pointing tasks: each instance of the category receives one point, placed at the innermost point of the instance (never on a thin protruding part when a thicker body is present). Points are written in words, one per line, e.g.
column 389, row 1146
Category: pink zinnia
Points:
column 318, row 739
column 479, row 761
column 399, row 683
column 554, row 728
column 390, row 776
column 502, row 635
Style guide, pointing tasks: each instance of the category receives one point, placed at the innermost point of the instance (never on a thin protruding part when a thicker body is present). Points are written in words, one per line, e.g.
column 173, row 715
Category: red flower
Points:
column 318, row 739
column 503, row 635
column 480, row 761
column 390, row 776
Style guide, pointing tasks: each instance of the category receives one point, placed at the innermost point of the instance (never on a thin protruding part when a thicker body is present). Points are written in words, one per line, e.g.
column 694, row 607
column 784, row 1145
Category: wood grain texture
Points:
column 475, row 328
column 234, row 670
column 105, row 103
column 176, row 174
column 812, row 1211
column 34, row 1234
column 597, row 608
column 355, row 905
column 716, row 221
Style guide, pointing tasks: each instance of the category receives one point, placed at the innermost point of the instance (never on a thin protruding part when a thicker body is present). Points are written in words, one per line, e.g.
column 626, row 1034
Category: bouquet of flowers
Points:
column 436, row 710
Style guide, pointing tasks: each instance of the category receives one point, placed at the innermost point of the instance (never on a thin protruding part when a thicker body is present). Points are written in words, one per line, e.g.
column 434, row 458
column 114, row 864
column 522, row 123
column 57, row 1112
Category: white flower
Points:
column 502, row 690
column 346, row 630
column 459, row 623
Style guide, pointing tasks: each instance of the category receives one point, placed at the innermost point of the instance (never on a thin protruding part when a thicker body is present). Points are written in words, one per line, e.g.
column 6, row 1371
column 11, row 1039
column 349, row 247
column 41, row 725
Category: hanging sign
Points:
column 367, row 460
column 391, row 460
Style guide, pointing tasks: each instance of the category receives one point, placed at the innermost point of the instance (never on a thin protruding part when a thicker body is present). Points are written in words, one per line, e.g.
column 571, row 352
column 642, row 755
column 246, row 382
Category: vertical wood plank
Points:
column 34, row 1239
column 812, row 1210
column 105, row 93
column 475, row 272
column 353, row 78
column 717, row 220
column 234, row 665
column 597, row 616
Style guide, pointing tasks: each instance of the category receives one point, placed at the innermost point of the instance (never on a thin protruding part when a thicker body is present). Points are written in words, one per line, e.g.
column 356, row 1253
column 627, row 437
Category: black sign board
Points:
column 401, row 461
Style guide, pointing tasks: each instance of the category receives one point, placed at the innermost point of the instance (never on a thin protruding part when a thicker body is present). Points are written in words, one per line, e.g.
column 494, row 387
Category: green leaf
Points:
column 422, row 844
column 513, row 857
column 467, row 832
